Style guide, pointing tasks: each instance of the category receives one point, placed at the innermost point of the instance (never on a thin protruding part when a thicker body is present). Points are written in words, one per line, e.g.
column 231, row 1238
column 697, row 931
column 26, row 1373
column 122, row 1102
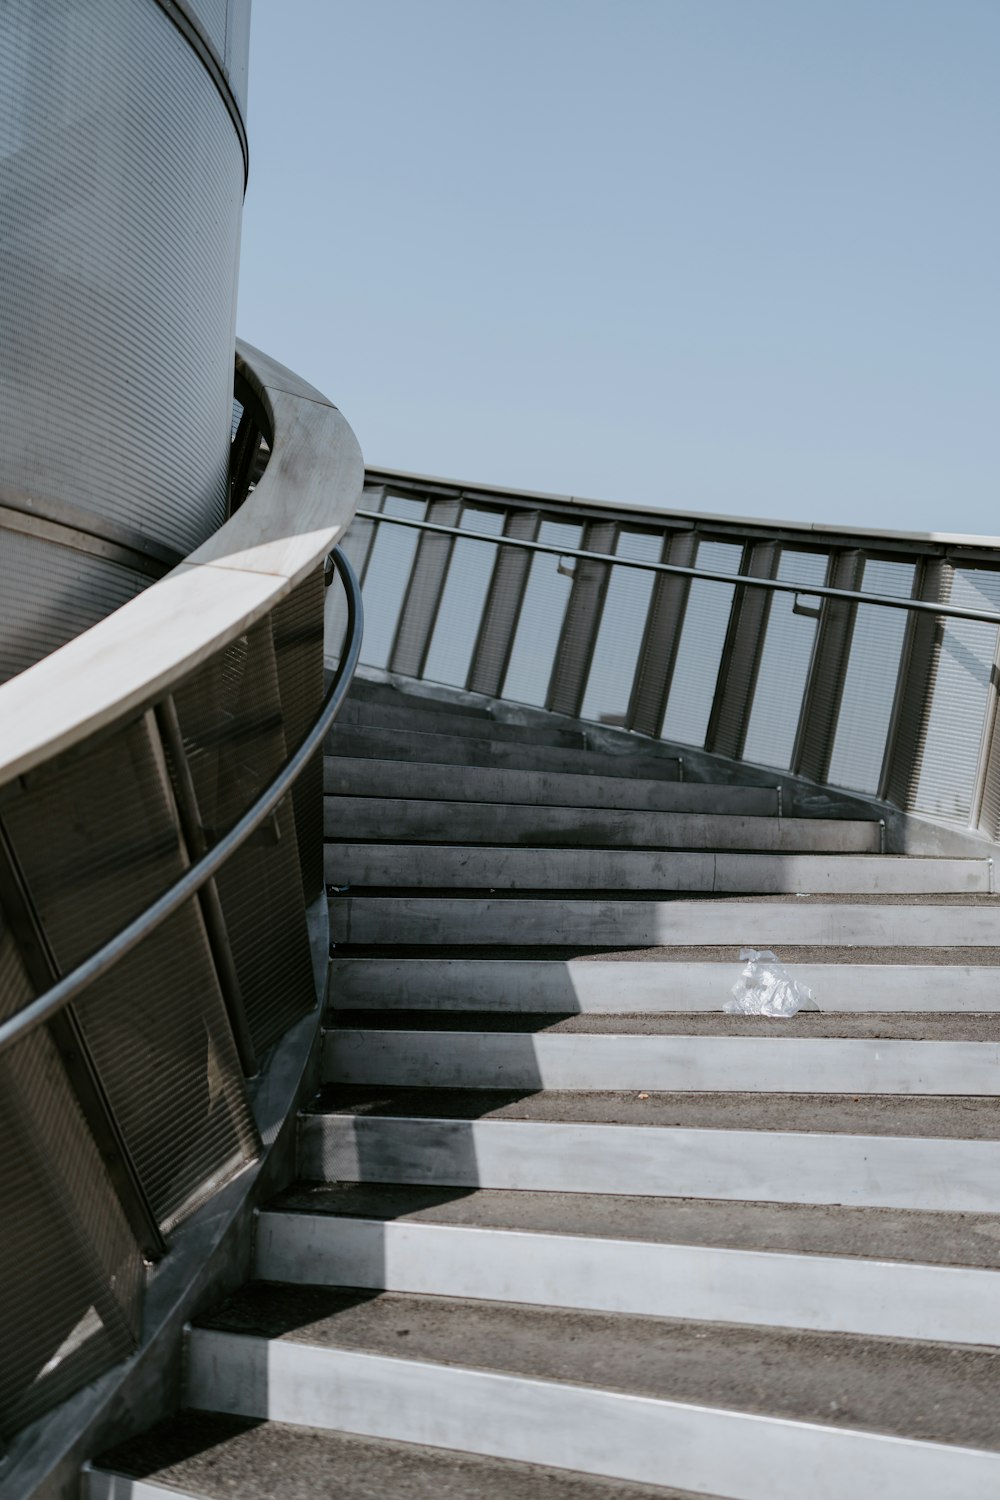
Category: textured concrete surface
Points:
column 806, row 1229
column 236, row 1458
column 939, row 1393
column 840, row 1114
column 947, row 1026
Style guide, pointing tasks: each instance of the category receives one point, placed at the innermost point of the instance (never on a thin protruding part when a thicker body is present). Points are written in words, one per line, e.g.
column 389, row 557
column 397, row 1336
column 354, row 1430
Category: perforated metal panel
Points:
column 231, row 719
column 783, row 669
column 623, row 623
column 463, row 600
column 70, row 1271
column 297, row 625
column 94, row 836
column 543, row 610
column 703, row 636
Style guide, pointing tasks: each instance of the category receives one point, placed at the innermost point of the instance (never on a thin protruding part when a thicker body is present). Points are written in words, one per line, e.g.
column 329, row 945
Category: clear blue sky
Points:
column 726, row 255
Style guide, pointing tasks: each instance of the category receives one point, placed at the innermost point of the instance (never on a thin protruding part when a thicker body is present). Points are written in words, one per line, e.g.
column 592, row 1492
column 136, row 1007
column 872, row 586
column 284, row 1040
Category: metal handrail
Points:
column 848, row 596
column 49, row 1004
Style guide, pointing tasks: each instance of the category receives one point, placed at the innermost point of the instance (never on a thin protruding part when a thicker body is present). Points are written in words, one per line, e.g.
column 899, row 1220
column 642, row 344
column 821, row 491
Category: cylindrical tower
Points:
column 122, row 170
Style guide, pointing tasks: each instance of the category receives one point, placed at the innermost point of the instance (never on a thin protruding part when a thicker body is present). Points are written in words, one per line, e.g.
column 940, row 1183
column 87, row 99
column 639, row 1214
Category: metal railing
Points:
column 865, row 661
column 160, row 842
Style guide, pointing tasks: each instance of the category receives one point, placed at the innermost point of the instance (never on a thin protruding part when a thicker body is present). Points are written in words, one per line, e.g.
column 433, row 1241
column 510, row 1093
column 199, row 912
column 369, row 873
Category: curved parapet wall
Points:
column 123, row 166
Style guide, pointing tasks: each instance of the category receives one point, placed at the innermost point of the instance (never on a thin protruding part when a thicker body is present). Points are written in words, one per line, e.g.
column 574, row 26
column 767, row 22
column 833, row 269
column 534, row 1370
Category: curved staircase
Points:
column 564, row 1228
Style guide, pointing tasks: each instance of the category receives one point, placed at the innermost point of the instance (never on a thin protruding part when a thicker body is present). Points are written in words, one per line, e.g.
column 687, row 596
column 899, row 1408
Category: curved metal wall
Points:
column 122, row 173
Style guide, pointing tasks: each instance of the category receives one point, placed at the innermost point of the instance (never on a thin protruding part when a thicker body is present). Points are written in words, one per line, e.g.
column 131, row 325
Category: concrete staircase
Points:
column 563, row 1228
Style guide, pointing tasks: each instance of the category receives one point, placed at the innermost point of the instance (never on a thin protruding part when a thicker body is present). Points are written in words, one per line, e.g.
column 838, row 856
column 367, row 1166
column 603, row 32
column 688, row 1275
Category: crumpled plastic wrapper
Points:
column 765, row 988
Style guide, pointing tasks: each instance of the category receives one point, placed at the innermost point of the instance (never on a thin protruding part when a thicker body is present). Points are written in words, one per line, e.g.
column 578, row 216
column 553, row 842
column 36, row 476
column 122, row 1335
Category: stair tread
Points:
column 965, row 1118
column 931, row 1026
column 932, row 1392
column 947, row 1239
column 216, row 1456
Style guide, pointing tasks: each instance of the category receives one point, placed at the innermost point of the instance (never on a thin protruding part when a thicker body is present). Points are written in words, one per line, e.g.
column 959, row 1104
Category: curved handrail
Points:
column 748, row 580
column 817, row 532
column 302, row 505
column 45, row 1006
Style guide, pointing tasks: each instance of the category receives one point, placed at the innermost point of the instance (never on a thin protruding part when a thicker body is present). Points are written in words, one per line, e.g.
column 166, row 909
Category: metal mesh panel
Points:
column 423, row 592
column 542, row 612
column 619, row 640
column 463, row 599
column 870, row 680
column 386, row 579
column 355, row 546
column 230, row 714
column 784, row 665
column 95, row 840
column 297, row 625
column 503, row 603
column 70, row 1271
column 954, row 727
column 703, row 636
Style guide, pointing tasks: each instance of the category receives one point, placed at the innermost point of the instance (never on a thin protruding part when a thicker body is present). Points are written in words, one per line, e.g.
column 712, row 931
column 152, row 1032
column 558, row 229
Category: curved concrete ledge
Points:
column 302, row 505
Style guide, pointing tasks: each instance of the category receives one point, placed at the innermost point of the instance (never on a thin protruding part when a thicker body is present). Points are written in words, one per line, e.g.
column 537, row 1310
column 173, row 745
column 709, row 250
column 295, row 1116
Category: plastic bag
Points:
column 765, row 988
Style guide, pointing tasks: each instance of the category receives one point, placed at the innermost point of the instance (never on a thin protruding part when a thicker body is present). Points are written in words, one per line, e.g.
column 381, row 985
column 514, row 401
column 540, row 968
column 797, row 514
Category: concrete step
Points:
column 515, row 986
column 366, row 777
column 648, row 1275
column 401, row 820
column 407, row 720
column 357, row 741
column 939, row 1155
column 689, row 1064
column 443, row 866
column 609, row 923
column 205, row 1456
column 791, row 1229
column 420, row 696
column 747, row 1413
column 898, row 1026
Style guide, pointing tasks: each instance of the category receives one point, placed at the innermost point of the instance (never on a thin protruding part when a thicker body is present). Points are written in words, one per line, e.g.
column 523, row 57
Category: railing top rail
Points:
column 749, row 580
column 924, row 541
column 61, row 994
column 302, row 505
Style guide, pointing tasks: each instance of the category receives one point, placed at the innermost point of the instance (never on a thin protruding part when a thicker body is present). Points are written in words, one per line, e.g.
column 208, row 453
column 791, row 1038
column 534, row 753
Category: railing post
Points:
column 424, row 590
column 730, row 716
column 503, row 606
column 918, row 669
column 196, row 845
column 74, row 1051
column 824, row 690
column 581, row 621
column 661, row 638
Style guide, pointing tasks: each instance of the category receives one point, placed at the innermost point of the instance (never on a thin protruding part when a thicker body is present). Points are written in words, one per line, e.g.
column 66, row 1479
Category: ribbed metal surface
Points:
column 231, row 718
column 49, row 594
column 95, row 839
column 70, row 1271
column 119, row 221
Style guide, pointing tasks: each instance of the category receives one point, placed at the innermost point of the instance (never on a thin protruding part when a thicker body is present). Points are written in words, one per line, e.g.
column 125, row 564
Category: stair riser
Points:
column 406, row 720
column 99, row 1485
column 471, row 868
column 596, row 924
column 628, row 987
column 653, row 1280
column 393, row 778
column 370, row 817
column 574, row 1427
column 775, row 1167
column 444, row 749
column 667, row 1064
